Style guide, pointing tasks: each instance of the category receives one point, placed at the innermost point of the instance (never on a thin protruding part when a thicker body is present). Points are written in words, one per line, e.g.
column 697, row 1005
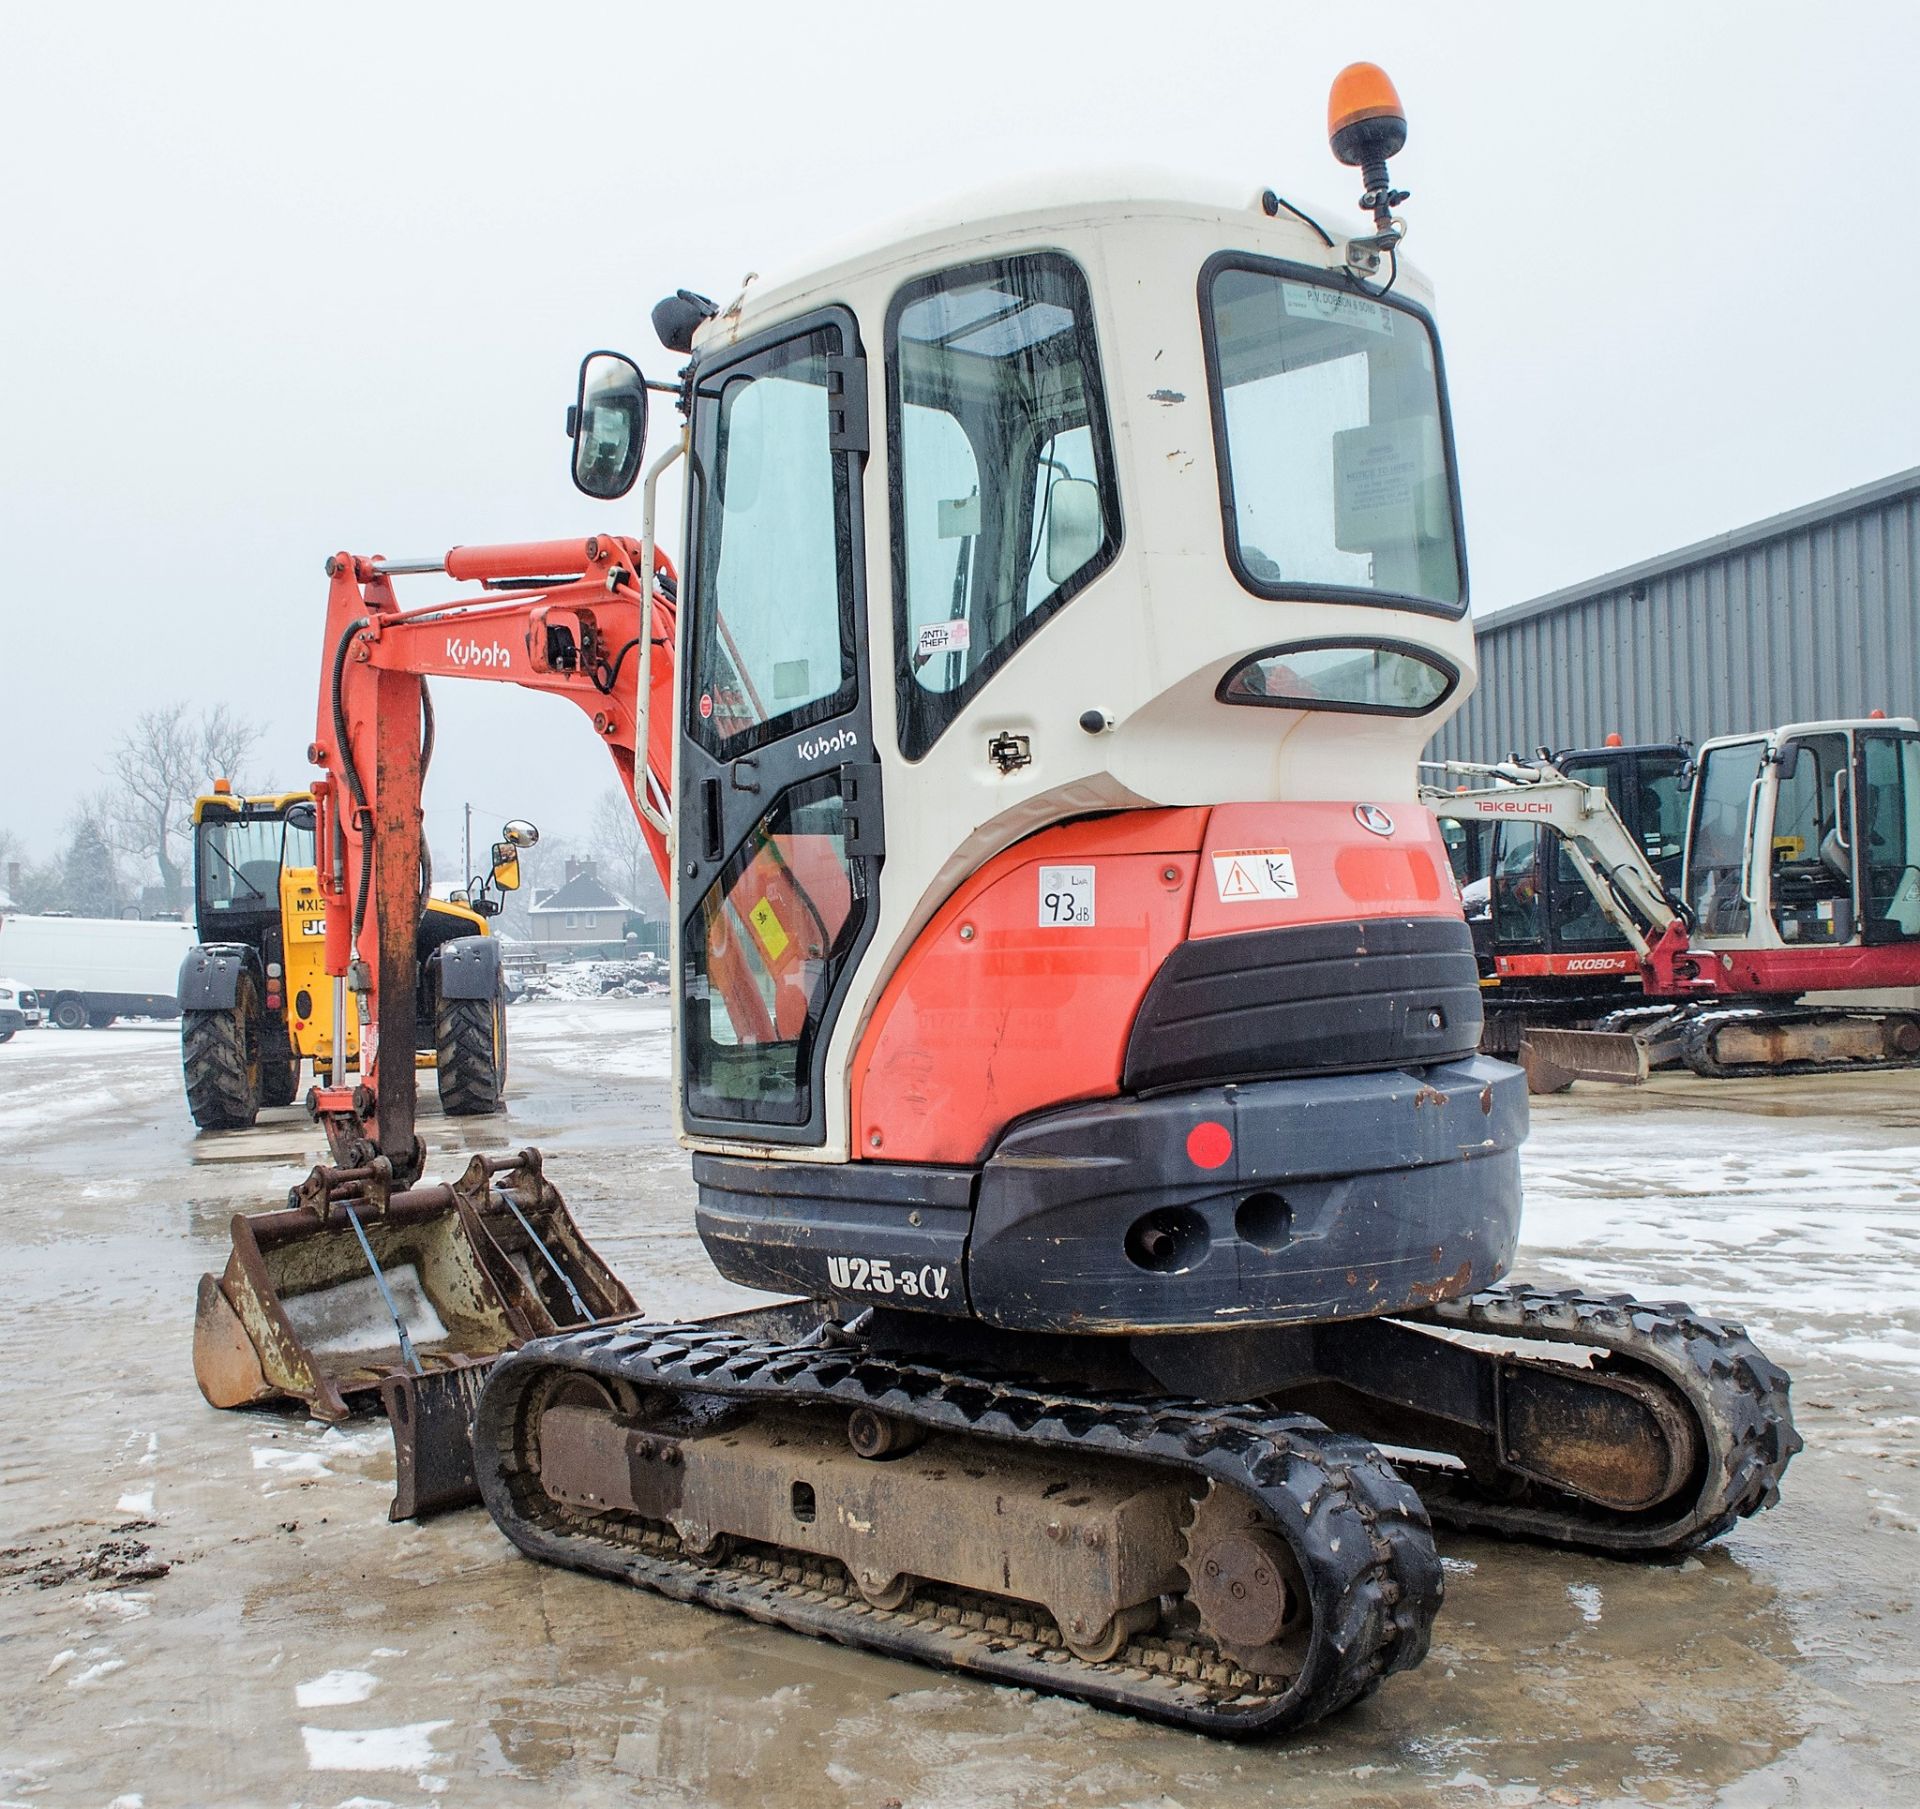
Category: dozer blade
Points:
column 353, row 1287
column 1555, row 1059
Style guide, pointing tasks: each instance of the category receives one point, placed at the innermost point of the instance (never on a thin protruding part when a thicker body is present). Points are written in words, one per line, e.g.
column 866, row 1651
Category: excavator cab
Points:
column 1808, row 839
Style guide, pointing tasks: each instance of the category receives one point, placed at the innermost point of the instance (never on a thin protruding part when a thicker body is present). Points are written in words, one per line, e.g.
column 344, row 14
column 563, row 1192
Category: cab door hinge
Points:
column 847, row 403
column 866, row 820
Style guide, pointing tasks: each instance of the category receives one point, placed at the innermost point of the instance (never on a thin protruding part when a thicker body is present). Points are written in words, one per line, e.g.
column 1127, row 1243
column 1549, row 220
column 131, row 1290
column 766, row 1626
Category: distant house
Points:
column 583, row 912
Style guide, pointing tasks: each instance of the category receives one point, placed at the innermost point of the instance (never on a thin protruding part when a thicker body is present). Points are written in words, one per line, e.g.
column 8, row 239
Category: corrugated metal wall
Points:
column 1813, row 613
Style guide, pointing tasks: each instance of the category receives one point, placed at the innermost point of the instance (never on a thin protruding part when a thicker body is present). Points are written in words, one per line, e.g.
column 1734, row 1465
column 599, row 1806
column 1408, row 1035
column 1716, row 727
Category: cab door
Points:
column 1886, row 835
column 779, row 820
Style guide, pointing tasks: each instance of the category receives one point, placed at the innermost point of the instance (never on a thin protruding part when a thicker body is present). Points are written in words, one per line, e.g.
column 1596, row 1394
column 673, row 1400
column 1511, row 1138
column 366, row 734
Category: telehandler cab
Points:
column 1075, row 1017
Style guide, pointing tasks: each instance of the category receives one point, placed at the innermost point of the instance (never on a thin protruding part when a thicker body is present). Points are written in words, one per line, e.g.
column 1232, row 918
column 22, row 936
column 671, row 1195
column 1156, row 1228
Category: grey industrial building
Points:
column 1814, row 613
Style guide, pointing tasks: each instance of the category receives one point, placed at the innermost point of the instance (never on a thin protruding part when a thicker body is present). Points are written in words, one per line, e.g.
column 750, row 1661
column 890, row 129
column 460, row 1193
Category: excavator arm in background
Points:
column 566, row 617
column 1611, row 865
column 368, row 1280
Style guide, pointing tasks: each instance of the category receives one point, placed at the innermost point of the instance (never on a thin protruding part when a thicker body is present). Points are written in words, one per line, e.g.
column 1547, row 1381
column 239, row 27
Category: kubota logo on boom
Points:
column 470, row 653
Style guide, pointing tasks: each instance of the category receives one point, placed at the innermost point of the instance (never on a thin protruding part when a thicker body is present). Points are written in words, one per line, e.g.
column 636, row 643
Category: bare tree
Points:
column 159, row 765
column 621, row 851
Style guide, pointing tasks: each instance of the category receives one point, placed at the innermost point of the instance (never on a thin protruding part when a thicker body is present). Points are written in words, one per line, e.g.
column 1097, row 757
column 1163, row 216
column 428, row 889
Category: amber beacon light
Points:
column 1366, row 125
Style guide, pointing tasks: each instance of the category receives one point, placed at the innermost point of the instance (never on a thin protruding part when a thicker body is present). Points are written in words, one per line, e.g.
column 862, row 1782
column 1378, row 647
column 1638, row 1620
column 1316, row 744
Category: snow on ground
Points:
column 1804, row 1227
column 51, row 1078
column 627, row 1038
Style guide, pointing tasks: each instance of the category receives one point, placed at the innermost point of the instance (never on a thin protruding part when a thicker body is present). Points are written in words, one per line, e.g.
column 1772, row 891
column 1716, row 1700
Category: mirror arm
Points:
column 648, row 494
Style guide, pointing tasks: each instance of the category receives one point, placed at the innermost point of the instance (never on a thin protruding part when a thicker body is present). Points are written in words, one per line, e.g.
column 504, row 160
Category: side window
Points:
column 1004, row 499
column 1516, row 883
column 1889, row 839
column 773, row 631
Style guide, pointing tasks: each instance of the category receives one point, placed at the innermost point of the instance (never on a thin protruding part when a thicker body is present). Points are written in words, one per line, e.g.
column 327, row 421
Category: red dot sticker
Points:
column 1209, row 1144
column 706, row 705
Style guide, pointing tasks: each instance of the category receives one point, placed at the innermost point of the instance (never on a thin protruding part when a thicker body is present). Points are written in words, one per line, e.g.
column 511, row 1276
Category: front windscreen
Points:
column 239, row 863
column 1332, row 442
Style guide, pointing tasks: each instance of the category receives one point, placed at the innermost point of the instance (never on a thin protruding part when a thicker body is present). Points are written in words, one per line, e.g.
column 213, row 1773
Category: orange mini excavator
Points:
column 1075, row 1020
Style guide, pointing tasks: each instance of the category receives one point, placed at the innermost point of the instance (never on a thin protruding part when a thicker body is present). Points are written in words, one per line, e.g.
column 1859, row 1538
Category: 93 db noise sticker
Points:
column 1066, row 897
column 1242, row 875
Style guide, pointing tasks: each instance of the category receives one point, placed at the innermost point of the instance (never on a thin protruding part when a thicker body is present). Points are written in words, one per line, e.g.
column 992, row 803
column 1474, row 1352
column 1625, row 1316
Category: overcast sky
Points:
column 281, row 280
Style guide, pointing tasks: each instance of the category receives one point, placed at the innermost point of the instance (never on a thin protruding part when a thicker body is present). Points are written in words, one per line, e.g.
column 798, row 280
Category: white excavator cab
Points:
column 1060, row 506
column 1807, row 838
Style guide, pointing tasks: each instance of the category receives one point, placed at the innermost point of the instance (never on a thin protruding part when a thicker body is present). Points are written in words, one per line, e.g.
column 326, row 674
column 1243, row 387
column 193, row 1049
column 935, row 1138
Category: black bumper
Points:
column 1330, row 1197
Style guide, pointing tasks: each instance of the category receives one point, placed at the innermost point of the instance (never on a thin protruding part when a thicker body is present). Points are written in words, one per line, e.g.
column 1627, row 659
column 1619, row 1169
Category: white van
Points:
column 19, row 1008
column 91, row 970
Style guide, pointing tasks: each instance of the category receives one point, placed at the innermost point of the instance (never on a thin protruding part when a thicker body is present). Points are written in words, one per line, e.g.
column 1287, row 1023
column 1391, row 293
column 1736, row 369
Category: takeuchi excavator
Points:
column 1076, row 1025
column 1783, row 943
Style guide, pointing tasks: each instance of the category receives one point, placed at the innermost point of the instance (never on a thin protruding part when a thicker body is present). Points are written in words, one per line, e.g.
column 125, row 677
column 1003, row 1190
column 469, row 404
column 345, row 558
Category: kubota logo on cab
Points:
column 828, row 744
column 470, row 653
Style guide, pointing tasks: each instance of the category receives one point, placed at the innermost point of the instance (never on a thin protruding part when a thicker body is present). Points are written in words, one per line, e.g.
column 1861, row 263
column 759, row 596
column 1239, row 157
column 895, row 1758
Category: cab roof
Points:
column 976, row 224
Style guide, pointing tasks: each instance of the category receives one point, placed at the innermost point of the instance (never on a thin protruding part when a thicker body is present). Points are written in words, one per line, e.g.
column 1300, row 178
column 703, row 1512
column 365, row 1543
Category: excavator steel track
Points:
column 1358, row 1533
column 1739, row 1400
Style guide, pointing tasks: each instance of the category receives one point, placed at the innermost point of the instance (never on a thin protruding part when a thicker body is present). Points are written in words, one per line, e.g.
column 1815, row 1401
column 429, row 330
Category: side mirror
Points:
column 1074, row 528
column 1787, row 759
column 506, row 866
column 608, row 425
column 300, row 816
column 519, row 833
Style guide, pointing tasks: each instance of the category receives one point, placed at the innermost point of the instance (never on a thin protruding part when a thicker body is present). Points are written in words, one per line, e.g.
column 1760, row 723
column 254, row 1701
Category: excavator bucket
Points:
column 1555, row 1059
column 355, row 1290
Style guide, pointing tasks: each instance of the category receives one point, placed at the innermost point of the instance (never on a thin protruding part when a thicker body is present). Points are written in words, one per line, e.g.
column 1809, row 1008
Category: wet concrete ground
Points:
column 300, row 1650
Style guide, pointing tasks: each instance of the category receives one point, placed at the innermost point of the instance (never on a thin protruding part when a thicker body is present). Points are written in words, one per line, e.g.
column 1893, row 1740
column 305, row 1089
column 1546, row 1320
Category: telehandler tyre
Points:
column 470, row 1043
column 220, row 1051
column 279, row 1066
column 280, row 1081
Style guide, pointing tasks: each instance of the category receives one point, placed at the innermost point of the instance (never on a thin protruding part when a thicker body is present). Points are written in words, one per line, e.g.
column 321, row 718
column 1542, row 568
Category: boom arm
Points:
column 572, row 623
column 1610, row 863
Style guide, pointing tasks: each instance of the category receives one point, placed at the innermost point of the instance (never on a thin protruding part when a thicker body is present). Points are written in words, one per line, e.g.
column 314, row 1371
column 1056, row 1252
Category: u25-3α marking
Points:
column 877, row 1275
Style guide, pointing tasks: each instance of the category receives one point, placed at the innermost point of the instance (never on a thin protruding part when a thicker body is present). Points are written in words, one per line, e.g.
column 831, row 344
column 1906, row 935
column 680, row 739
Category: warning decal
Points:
column 768, row 927
column 1244, row 874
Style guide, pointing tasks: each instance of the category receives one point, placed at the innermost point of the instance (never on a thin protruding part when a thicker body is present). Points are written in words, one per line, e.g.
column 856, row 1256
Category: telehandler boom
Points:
column 1074, row 1015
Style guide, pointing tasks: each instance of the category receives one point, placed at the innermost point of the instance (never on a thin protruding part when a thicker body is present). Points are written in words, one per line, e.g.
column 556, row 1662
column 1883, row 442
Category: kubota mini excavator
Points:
column 1075, row 1017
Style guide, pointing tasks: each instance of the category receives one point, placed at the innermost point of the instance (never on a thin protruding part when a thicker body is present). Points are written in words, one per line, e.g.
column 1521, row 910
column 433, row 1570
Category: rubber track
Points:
column 213, row 1052
column 1738, row 1396
column 1357, row 1529
column 468, row 1081
column 1697, row 1046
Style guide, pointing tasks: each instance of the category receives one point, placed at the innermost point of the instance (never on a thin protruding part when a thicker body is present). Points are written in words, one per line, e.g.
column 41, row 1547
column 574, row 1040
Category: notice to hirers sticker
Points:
column 1066, row 897
column 1244, row 874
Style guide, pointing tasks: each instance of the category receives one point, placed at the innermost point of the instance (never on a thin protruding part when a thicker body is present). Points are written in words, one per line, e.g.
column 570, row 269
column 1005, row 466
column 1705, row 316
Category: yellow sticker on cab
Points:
column 768, row 927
